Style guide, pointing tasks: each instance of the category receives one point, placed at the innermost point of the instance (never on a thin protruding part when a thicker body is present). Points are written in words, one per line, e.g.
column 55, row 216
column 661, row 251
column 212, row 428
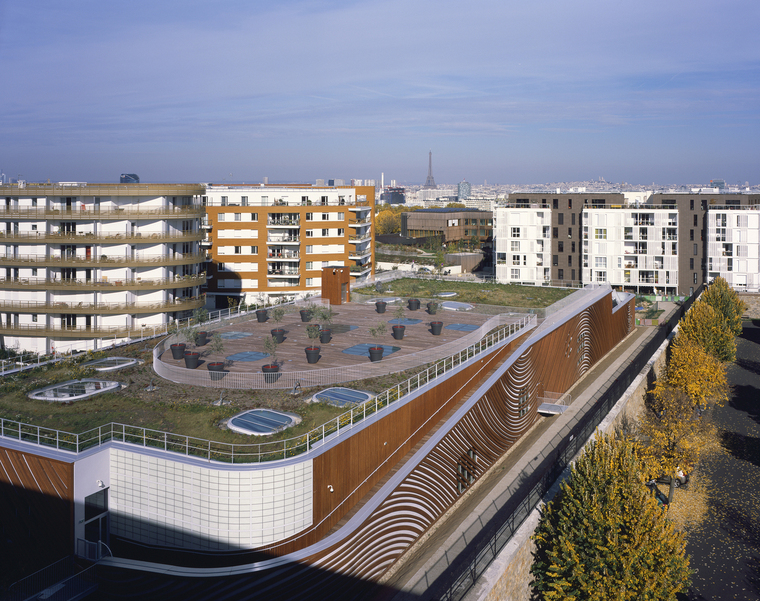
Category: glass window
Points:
column 516, row 246
column 515, row 274
column 254, row 250
column 238, row 216
column 600, row 233
column 95, row 504
column 515, row 232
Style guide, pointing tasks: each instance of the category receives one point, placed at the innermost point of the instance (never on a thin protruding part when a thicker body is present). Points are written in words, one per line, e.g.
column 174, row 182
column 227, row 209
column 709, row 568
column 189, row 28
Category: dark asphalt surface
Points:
column 725, row 549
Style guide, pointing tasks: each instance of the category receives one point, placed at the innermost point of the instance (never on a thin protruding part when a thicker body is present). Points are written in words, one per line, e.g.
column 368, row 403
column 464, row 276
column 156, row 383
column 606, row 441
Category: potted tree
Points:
column 216, row 347
column 201, row 338
column 325, row 316
column 191, row 359
column 270, row 369
column 178, row 350
column 376, row 351
column 380, row 306
column 398, row 329
column 433, row 307
column 312, row 351
column 278, row 333
column 307, row 312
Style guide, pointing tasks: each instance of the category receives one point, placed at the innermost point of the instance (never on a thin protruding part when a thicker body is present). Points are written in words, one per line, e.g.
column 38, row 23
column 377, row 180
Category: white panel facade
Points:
column 162, row 502
column 733, row 246
column 522, row 245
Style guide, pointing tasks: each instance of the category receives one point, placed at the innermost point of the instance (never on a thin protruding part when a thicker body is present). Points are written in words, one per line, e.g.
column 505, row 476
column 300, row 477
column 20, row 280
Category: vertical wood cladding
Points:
column 36, row 508
column 501, row 416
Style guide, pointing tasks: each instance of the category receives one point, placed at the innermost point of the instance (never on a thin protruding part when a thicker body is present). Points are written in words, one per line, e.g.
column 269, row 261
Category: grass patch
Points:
column 507, row 295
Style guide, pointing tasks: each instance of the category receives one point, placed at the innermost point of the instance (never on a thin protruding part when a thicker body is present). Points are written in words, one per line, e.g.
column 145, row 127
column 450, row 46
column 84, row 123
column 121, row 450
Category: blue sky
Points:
column 499, row 90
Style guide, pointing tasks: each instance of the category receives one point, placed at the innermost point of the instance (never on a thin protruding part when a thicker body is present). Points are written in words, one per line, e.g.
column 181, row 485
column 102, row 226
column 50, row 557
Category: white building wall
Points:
column 522, row 244
column 733, row 246
column 163, row 502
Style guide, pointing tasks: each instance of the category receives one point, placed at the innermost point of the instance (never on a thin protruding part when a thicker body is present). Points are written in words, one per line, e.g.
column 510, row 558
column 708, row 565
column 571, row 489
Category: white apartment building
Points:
column 272, row 242
column 522, row 238
column 631, row 248
column 733, row 246
column 85, row 265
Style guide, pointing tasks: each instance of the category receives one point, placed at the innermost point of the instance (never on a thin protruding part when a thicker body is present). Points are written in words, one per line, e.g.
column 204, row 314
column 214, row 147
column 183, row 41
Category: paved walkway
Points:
column 426, row 571
column 725, row 550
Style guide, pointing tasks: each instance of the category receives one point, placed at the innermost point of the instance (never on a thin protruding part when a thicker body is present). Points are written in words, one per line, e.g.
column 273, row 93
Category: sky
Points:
column 499, row 90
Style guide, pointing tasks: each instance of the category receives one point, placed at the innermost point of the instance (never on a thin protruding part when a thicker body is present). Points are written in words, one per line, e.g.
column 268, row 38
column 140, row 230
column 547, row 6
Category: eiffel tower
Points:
column 430, row 182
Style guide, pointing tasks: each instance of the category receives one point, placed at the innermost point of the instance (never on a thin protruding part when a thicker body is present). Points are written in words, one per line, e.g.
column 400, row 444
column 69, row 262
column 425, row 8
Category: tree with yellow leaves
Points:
column 604, row 537
column 706, row 326
column 724, row 299
column 387, row 222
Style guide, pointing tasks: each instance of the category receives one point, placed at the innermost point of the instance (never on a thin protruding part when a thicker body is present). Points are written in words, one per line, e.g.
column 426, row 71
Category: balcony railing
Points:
column 103, row 261
column 293, row 255
column 92, row 213
column 360, row 254
column 183, row 304
column 84, row 189
column 32, row 330
column 362, row 238
column 102, row 285
column 110, row 238
column 283, row 223
column 282, row 284
column 283, row 272
column 285, row 240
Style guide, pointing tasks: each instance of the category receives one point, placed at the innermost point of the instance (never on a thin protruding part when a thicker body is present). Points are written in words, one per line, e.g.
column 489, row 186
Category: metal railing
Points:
column 104, row 260
column 179, row 304
column 91, row 212
column 79, row 284
column 79, row 189
column 266, row 451
column 105, row 237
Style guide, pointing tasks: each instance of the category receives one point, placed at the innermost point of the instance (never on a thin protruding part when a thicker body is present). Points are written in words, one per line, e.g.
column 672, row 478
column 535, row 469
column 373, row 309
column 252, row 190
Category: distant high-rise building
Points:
column 336, row 182
column 463, row 190
column 718, row 183
column 129, row 178
column 430, row 182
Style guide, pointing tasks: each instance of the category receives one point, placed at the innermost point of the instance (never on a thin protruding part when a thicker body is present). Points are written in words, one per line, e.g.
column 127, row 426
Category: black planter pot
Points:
column 271, row 373
column 312, row 354
column 380, row 306
column 398, row 332
column 375, row 353
column 191, row 360
column 414, row 304
column 202, row 338
column 432, row 308
column 325, row 336
column 305, row 315
column 178, row 350
column 436, row 327
column 261, row 315
column 217, row 370
column 278, row 334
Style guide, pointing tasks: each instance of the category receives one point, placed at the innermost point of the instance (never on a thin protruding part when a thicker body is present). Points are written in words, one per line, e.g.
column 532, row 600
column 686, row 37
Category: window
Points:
column 691, row 264
column 95, row 504
column 34, row 227
column 515, row 259
column 309, row 216
column 220, row 216
column 572, row 219
column 220, row 267
column 600, row 262
column 742, row 221
column 691, row 235
column 309, row 265
column 555, row 260
column 244, row 201
column 691, row 204
column 572, row 277
column 572, row 247
column 466, row 470
column 309, row 233
column 569, row 260
column 238, row 250
column 515, row 274
column 696, row 220
column 600, row 233
column 341, row 231
column 561, row 274
column 696, row 250
column 254, row 250
column 569, row 232
column 695, row 277
column 341, row 216
column 224, row 201
column 546, row 231
column 561, row 219
column 555, row 232
column 601, row 276
column 34, row 202
column 555, row 203
column 516, row 246
column 561, row 246
column 34, row 272
column 523, row 402
column 325, row 233
column 254, row 216
column 309, row 249
column 325, row 216
column 238, row 216
column 515, row 232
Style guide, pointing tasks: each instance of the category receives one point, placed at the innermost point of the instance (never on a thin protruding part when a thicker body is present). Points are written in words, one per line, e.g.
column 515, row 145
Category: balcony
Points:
column 92, row 213
column 283, row 222
column 78, row 190
column 88, row 237
column 75, row 331
column 362, row 221
column 283, row 273
column 360, row 254
column 100, row 308
column 187, row 281
column 284, row 239
column 283, row 284
column 360, row 268
column 283, row 255
column 361, row 238
column 102, row 261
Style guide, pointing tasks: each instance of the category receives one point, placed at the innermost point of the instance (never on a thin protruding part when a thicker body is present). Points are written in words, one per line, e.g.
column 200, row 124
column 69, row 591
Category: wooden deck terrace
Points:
column 291, row 355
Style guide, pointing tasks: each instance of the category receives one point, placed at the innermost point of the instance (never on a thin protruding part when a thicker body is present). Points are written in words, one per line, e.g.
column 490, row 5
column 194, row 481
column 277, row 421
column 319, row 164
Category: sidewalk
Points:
column 428, row 569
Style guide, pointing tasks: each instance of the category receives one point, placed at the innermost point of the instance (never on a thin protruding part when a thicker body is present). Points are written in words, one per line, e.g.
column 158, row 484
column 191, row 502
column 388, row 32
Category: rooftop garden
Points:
column 196, row 411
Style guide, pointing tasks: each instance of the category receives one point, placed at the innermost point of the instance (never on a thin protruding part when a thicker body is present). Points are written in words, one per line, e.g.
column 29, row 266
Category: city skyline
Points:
column 297, row 92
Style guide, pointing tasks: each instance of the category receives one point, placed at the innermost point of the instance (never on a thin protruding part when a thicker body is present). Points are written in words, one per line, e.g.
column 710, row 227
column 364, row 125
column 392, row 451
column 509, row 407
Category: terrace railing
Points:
column 266, row 451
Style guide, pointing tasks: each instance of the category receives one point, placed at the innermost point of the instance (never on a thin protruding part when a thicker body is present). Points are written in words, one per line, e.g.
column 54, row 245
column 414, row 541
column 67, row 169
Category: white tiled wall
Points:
column 162, row 502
